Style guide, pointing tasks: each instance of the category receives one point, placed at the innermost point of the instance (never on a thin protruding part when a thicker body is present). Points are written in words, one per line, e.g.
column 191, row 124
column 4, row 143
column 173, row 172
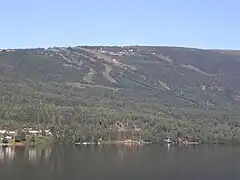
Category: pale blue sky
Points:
column 195, row 23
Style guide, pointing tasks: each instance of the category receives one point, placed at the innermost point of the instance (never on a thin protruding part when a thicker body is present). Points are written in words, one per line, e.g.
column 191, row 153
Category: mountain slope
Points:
column 170, row 83
column 209, row 75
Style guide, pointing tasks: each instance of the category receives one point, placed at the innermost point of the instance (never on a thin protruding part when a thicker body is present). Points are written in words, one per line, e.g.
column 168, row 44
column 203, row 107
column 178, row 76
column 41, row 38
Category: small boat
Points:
column 168, row 141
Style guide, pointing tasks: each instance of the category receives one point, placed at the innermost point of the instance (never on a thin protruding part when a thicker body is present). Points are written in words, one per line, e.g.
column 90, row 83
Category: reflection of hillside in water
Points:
column 7, row 154
column 31, row 155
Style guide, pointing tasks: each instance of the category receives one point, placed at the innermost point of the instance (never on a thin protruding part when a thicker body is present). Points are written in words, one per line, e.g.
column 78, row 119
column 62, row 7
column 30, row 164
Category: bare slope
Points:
column 202, row 76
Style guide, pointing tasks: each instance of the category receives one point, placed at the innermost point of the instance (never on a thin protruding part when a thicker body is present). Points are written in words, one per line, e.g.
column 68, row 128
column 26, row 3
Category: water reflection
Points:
column 123, row 162
column 7, row 154
column 31, row 155
column 118, row 154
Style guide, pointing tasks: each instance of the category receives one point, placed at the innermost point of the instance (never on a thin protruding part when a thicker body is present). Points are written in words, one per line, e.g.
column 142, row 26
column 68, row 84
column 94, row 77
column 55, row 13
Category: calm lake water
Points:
column 112, row 162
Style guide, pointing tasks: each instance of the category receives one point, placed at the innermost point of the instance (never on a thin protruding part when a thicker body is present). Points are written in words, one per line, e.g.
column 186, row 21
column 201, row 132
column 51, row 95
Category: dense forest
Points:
column 116, row 93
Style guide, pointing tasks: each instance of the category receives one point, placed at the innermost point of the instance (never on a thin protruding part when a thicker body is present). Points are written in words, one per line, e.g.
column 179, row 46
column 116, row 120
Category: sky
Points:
column 208, row 24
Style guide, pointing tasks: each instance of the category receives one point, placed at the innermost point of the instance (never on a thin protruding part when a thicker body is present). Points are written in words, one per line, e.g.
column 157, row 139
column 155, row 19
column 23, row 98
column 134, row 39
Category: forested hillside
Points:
column 148, row 92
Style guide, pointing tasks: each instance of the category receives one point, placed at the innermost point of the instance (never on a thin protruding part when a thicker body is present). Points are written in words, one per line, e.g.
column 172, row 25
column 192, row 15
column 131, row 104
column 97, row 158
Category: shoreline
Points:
column 132, row 143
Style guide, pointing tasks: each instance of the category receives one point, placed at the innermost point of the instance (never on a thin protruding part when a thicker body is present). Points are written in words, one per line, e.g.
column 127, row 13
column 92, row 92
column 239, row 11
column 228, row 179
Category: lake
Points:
column 120, row 162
